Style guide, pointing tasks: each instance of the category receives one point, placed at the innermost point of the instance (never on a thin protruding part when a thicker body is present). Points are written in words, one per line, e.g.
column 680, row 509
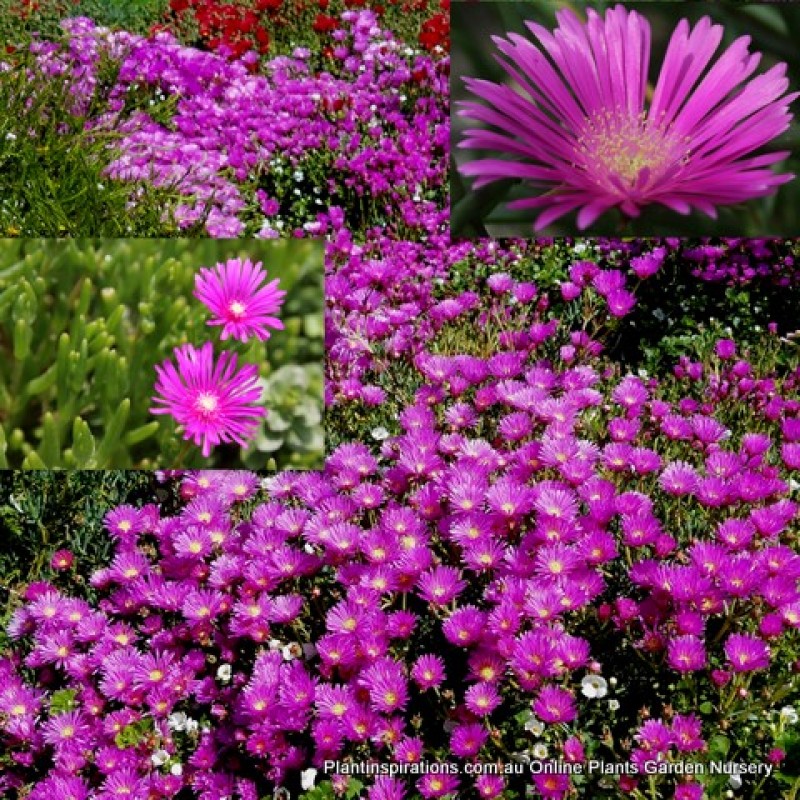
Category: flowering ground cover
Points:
column 140, row 354
column 274, row 27
column 107, row 132
column 524, row 549
column 669, row 119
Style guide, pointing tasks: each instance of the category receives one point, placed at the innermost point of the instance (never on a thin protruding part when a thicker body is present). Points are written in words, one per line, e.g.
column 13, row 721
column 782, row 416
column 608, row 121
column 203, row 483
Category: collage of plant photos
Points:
column 399, row 400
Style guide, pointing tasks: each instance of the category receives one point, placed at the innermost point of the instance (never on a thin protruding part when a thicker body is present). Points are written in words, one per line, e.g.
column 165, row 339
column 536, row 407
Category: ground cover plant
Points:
column 145, row 354
column 522, row 551
column 274, row 27
column 689, row 133
column 108, row 132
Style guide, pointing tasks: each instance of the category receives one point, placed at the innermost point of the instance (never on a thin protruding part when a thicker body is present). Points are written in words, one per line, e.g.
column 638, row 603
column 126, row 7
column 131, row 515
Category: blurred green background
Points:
column 83, row 323
column 774, row 30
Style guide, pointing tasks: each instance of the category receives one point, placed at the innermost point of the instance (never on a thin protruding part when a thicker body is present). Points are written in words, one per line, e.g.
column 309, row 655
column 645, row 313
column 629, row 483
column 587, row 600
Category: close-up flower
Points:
column 240, row 299
column 212, row 399
column 586, row 127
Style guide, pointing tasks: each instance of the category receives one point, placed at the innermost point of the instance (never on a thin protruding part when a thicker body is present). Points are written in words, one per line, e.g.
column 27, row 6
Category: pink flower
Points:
column 746, row 653
column 581, row 133
column 235, row 294
column 686, row 654
column 555, row 705
column 213, row 402
column 62, row 560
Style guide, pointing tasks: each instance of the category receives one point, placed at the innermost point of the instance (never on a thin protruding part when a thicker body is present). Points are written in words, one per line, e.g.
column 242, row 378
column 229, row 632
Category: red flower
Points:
column 323, row 23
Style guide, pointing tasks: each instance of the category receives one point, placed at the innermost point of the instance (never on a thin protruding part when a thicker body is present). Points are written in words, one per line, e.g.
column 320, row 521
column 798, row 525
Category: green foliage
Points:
column 135, row 734
column 325, row 791
column 83, row 323
column 51, row 166
column 322, row 792
column 63, row 700
column 294, row 422
column 42, row 512
column 19, row 18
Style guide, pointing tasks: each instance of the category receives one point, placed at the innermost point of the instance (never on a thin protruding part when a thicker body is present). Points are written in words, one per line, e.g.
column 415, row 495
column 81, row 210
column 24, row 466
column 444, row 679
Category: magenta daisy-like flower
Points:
column 746, row 653
column 241, row 301
column 213, row 400
column 580, row 131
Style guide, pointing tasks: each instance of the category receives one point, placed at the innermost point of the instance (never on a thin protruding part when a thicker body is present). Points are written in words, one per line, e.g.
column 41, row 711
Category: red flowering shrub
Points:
column 239, row 26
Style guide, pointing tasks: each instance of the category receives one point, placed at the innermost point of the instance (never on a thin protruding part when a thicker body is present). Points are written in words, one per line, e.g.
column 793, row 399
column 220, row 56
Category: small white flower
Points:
column 735, row 780
column 535, row 726
column 594, row 687
column 224, row 672
column 192, row 725
column 176, row 769
column 177, row 721
column 612, row 681
column 159, row 758
column 379, row 433
column 789, row 715
column 275, row 644
column 523, row 757
column 308, row 778
column 291, row 651
column 540, row 750
column 613, row 705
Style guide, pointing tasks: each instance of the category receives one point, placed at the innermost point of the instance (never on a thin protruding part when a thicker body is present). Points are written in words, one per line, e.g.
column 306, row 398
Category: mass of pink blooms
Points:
column 289, row 151
column 442, row 589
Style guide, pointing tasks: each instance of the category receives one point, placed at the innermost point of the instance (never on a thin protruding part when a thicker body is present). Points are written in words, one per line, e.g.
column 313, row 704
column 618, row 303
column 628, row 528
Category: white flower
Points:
column 291, row 651
column 535, row 726
column 308, row 778
column 192, row 725
column 274, row 644
column 159, row 758
column 224, row 672
column 594, row 687
column 612, row 681
column 379, row 433
column 735, row 780
column 613, row 705
column 176, row 769
column 540, row 750
column 177, row 721
column 523, row 757
column 789, row 715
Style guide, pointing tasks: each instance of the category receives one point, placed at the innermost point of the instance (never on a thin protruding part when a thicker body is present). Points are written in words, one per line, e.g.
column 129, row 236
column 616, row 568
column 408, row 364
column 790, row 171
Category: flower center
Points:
column 237, row 309
column 206, row 404
column 626, row 151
